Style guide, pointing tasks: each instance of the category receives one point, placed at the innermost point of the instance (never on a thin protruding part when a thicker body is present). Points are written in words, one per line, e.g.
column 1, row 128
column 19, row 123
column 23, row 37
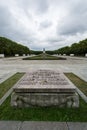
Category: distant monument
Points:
column 43, row 50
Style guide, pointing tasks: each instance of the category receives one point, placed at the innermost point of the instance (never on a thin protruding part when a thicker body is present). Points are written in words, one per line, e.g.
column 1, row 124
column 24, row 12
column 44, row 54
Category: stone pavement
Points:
column 9, row 66
column 40, row 125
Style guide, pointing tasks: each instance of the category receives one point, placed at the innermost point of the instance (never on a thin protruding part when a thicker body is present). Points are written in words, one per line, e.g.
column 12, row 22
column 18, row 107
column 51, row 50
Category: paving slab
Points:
column 10, row 125
column 44, row 126
column 77, row 126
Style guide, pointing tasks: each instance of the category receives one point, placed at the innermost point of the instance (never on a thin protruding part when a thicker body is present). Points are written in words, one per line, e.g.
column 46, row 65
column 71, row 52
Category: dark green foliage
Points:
column 65, row 50
column 10, row 48
column 79, row 49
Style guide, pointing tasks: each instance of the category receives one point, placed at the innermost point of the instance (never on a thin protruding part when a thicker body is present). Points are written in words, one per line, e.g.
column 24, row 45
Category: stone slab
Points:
column 44, row 126
column 16, row 54
column 77, row 126
column 44, row 81
column 86, row 55
column 1, row 55
column 10, row 125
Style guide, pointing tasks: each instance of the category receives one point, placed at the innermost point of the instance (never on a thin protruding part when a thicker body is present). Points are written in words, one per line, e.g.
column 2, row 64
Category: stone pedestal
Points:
column 44, row 99
column 44, row 88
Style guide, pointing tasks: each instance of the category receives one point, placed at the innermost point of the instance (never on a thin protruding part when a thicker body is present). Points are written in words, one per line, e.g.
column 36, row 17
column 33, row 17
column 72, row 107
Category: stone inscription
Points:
column 44, row 77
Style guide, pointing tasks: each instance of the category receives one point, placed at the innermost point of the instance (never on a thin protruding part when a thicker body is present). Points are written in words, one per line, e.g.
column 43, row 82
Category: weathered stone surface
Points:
column 24, row 55
column 77, row 125
column 71, row 54
column 44, row 88
column 16, row 55
column 86, row 55
column 10, row 125
column 44, row 81
column 44, row 99
column 26, row 125
column 1, row 55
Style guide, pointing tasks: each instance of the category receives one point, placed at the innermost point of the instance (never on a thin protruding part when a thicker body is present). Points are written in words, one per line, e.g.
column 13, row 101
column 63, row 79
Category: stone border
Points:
column 42, row 125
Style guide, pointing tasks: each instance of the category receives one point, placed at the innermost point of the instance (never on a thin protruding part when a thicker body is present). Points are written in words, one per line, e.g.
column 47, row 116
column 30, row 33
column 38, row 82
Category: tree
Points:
column 10, row 48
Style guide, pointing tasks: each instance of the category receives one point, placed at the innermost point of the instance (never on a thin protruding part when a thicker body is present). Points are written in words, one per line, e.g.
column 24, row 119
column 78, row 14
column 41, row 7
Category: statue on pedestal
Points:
column 43, row 50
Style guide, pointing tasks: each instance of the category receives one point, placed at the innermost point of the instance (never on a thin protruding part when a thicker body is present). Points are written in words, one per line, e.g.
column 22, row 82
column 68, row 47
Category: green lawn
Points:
column 44, row 57
column 6, row 85
column 81, row 84
column 44, row 113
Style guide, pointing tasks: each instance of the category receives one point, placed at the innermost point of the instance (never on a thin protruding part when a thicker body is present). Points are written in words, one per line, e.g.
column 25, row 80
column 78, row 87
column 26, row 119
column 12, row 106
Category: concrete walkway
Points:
column 35, row 125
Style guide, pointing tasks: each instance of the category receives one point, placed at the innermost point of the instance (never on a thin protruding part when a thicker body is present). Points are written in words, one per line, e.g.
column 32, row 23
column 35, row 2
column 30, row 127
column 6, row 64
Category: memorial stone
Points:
column 1, row 55
column 16, row 55
column 86, row 55
column 64, row 54
column 24, row 55
column 44, row 88
column 71, row 54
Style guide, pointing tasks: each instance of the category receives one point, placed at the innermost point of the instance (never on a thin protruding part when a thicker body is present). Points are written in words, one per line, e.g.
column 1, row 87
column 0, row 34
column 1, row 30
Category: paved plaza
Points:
column 9, row 66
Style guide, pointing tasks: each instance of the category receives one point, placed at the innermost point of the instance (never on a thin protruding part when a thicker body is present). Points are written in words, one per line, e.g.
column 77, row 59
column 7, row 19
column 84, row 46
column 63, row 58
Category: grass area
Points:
column 81, row 84
column 45, row 113
column 6, row 85
column 44, row 57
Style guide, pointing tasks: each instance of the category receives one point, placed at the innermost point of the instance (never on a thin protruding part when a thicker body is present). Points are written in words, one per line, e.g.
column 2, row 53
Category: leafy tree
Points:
column 10, row 48
column 79, row 49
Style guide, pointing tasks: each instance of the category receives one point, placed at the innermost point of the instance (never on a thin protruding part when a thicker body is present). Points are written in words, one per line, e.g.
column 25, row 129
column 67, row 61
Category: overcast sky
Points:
column 48, row 24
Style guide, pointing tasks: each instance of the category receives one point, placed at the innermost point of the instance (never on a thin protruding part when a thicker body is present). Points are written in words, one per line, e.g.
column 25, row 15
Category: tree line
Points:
column 79, row 49
column 10, row 48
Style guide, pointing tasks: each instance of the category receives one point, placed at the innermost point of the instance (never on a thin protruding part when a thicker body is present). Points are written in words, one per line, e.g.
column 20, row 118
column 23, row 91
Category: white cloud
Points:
column 49, row 24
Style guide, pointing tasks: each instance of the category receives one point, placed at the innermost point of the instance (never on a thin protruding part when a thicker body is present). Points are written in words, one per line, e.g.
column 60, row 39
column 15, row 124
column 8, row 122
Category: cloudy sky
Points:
column 48, row 24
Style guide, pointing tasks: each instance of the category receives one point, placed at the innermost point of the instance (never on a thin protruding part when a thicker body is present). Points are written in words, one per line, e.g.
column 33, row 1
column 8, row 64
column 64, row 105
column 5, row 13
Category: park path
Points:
column 40, row 125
